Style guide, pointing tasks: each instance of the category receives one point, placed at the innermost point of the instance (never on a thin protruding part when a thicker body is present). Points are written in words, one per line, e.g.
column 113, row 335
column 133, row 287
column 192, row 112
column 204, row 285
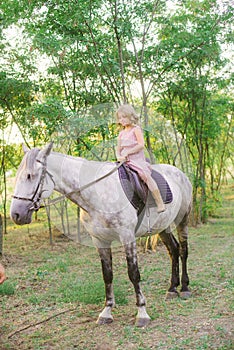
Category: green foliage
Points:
column 45, row 119
column 98, row 54
column 11, row 157
column 15, row 94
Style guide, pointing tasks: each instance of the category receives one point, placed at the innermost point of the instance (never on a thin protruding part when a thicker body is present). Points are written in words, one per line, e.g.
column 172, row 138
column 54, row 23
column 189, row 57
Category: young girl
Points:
column 130, row 148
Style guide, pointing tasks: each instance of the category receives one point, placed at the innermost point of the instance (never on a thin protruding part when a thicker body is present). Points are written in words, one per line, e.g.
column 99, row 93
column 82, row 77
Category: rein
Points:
column 58, row 199
column 36, row 203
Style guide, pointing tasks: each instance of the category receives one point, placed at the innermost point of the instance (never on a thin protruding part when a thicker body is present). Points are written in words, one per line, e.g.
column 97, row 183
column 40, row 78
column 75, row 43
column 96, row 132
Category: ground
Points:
column 54, row 293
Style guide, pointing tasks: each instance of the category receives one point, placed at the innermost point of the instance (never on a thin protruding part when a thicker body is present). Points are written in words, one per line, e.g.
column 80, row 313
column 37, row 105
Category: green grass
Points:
column 46, row 280
column 7, row 288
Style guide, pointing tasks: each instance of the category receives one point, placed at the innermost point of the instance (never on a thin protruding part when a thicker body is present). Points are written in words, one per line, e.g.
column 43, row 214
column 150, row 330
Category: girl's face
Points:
column 123, row 120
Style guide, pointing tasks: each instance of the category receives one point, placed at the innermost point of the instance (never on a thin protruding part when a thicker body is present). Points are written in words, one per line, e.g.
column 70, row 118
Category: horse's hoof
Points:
column 171, row 295
column 185, row 295
column 104, row 320
column 142, row 322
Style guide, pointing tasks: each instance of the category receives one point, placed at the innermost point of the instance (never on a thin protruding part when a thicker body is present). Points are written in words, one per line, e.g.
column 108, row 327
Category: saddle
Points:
column 137, row 191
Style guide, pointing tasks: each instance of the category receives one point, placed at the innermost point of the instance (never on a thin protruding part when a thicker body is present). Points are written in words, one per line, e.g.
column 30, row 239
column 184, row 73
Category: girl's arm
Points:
column 117, row 151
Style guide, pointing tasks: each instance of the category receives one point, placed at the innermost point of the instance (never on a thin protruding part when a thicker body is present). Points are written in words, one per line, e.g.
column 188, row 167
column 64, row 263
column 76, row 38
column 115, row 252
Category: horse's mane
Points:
column 28, row 162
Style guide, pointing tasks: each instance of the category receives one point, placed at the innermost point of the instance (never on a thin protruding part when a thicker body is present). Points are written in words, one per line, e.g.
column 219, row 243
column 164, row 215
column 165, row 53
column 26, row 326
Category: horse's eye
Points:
column 29, row 177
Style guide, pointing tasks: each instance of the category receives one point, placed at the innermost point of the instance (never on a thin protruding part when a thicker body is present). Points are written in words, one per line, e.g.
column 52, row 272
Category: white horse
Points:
column 107, row 214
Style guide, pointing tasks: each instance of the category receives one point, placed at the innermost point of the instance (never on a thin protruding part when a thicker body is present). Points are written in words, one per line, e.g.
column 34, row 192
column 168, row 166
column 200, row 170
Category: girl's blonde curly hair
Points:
column 129, row 112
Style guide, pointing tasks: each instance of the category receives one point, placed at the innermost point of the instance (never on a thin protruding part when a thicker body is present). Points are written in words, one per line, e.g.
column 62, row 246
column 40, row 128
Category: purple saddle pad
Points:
column 137, row 191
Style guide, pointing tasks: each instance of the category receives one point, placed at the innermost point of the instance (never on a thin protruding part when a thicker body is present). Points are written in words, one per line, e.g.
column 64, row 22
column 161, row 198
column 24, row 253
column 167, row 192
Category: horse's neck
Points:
column 65, row 171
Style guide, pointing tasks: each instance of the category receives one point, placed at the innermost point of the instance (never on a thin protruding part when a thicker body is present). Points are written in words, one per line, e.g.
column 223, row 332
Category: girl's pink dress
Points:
column 137, row 160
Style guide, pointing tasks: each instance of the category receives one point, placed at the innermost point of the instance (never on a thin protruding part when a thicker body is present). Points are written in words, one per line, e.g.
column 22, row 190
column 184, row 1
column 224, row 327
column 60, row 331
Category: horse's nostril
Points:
column 15, row 217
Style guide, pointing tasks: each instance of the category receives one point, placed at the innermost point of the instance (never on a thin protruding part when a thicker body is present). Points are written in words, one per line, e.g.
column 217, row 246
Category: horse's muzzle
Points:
column 21, row 215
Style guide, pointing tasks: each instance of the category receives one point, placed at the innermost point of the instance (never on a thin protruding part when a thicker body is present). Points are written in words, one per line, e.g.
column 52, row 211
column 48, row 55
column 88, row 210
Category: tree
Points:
column 97, row 51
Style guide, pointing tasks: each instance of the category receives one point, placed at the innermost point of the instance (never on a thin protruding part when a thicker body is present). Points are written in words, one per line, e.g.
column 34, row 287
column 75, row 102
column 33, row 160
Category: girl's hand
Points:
column 122, row 159
column 124, row 153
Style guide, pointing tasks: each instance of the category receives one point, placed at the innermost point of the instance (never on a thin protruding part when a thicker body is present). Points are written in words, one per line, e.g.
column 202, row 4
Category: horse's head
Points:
column 33, row 183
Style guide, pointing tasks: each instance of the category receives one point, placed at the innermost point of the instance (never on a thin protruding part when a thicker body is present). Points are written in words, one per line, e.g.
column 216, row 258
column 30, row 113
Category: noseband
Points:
column 36, row 198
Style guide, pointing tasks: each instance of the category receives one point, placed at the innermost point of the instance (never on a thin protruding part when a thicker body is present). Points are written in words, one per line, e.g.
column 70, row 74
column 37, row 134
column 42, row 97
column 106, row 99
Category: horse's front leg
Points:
column 142, row 318
column 106, row 260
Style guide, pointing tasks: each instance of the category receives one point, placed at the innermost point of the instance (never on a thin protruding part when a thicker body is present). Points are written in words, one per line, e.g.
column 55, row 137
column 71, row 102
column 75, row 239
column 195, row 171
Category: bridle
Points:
column 37, row 196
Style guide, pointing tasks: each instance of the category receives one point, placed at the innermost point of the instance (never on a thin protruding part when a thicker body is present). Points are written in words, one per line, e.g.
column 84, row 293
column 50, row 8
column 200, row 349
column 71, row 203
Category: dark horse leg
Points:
column 106, row 260
column 172, row 246
column 182, row 230
column 178, row 250
column 142, row 318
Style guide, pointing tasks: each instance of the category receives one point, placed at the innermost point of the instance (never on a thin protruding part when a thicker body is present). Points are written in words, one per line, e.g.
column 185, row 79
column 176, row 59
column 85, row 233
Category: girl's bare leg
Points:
column 153, row 187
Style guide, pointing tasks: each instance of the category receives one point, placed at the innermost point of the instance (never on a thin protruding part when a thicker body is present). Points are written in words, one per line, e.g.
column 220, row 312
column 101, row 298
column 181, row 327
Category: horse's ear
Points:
column 45, row 152
column 48, row 148
column 25, row 148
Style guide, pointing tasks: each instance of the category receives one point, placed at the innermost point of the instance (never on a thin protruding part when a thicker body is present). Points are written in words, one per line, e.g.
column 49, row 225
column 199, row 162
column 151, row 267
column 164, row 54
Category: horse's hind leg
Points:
column 172, row 246
column 182, row 230
column 106, row 260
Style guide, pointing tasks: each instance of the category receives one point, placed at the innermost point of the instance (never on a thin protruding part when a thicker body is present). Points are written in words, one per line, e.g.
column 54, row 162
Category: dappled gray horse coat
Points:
column 107, row 214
